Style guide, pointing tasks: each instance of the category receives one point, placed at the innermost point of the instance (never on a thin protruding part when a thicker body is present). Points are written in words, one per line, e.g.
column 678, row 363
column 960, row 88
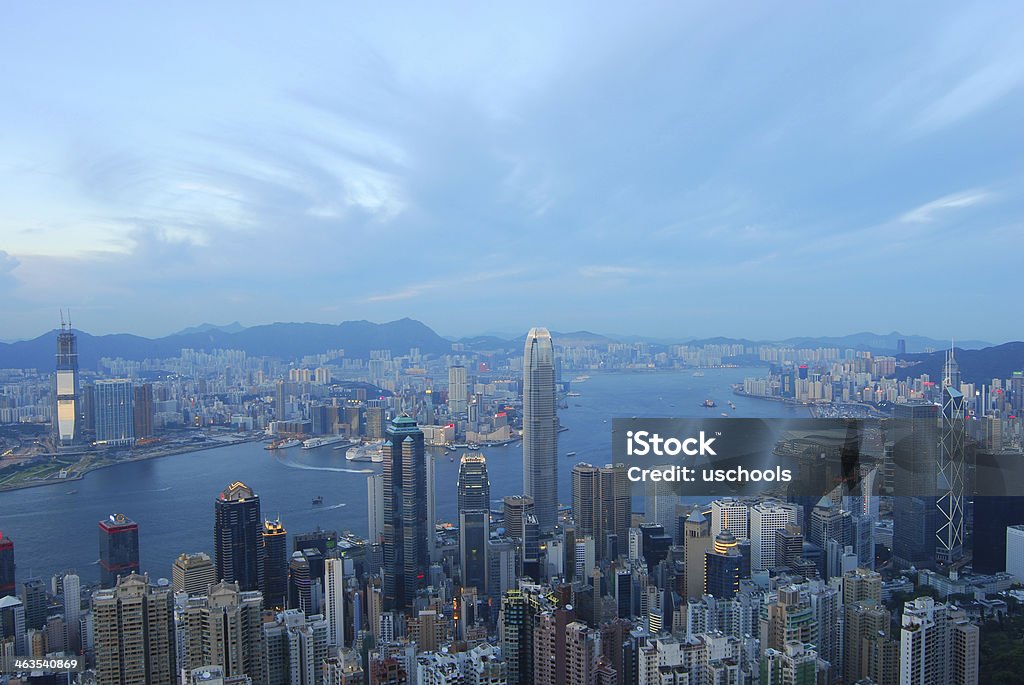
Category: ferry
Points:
column 319, row 499
column 373, row 452
column 313, row 443
column 708, row 403
column 283, row 444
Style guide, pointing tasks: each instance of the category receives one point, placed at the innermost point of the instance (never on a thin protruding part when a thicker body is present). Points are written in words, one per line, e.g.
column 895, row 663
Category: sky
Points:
column 667, row 169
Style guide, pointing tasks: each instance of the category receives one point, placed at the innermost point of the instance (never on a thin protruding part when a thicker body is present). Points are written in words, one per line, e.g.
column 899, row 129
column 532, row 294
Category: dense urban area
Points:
column 860, row 585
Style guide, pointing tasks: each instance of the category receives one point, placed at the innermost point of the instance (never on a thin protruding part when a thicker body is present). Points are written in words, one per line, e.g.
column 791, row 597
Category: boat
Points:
column 473, row 446
column 708, row 403
column 724, row 414
column 460, row 446
column 581, row 379
column 373, row 451
column 313, row 443
column 283, row 444
column 732, row 405
column 570, row 455
column 698, row 374
column 319, row 499
column 572, row 394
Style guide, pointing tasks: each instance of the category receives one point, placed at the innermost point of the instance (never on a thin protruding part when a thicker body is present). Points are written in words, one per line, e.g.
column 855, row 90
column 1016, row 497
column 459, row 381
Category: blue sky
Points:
column 669, row 169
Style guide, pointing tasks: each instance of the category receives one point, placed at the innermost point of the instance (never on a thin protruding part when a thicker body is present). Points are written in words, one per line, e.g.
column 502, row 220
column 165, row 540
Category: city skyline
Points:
column 655, row 152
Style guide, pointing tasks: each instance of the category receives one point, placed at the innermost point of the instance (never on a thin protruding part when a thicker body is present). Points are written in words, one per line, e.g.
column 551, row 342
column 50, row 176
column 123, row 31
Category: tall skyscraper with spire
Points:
column 540, row 427
column 406, row 550
column 65, row 391
column 952, row 466
column 236, row 536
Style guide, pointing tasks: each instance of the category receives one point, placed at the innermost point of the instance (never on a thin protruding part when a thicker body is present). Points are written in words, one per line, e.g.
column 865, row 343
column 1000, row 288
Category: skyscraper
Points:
column 915, row 511
column 224, row 628
column 375, row 507
column 723, row 564
column 119, row 548
column 142, row 410
column 193, row 574
column 937, row 644
column 66, row 411
column 305, row 581
column 12, row 631
column 33, row 596
column 294, row 647
column 516, row 507
column 585, row 499
column 540, row 427
column 457, row 391
column 274, row 558
column 406, row 552
column 732, row 515
column 334, row 601
column 474, row 531
column 474, row 485
column 6, row 566
column 602, row 507
column 236, row 536
column 696, row 542
column 115, row 423
column 134, row 633
column 72, row 591
column 952, row 470
column 766, row 518
column 616, row 509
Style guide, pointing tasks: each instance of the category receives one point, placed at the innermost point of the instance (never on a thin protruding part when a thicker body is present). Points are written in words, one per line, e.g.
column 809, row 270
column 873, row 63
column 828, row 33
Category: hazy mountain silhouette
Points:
column 281, row 340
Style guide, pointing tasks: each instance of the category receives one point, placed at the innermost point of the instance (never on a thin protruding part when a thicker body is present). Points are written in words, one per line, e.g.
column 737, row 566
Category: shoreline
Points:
column 142, row 457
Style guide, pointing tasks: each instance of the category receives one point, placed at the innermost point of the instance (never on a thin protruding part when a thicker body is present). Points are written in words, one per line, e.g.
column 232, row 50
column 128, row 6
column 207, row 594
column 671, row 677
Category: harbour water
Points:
column 55, row 527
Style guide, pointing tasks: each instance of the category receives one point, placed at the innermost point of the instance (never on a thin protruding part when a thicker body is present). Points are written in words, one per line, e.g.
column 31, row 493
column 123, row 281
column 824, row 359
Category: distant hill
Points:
column 281, row 340
column 876, row 342
column 233, row 327
column 976, row 366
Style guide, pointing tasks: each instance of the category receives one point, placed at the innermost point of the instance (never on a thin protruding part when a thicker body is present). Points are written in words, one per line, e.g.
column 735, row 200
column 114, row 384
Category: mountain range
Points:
column 281, row 340
column 979, row 361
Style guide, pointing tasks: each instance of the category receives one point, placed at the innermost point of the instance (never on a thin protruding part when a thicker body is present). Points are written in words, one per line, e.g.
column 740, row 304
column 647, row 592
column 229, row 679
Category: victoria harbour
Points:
column 171, row 498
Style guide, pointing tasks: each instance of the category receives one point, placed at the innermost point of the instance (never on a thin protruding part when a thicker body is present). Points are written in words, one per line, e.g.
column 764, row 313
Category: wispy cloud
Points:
column 972, row 94
column 415, row 290
column 931, row 211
